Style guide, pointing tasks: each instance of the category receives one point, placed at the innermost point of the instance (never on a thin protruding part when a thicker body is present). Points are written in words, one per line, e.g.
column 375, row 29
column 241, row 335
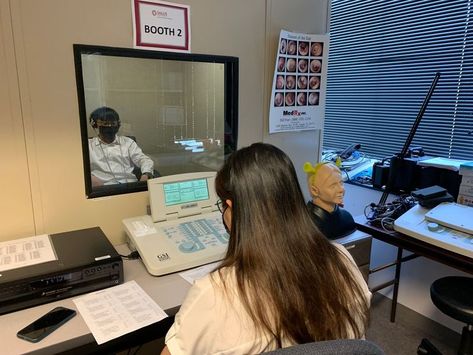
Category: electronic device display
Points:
column 185, row 191
column 185, row 227
column 46, row 324
column 182, row 195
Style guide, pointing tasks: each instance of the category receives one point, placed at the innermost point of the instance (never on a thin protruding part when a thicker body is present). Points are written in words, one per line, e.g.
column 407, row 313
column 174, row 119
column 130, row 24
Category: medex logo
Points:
column 292, row 113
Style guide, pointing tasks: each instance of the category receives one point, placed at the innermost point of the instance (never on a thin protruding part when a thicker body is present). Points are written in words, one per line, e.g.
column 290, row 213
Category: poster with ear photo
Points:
column 299, row 82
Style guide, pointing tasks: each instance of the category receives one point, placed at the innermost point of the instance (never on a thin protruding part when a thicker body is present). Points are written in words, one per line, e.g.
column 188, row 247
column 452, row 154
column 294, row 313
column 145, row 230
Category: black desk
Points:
column 416, row 246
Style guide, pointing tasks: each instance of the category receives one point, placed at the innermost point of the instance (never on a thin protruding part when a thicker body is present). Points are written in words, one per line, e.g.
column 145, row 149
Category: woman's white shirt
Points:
column 213, row 321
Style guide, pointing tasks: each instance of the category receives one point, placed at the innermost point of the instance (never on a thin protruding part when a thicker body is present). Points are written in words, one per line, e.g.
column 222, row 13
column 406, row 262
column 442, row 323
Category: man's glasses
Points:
column 107, row 123
column 222, row 206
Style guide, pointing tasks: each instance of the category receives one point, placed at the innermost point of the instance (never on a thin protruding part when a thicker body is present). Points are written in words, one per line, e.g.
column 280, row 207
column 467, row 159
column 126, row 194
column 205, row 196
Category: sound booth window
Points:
column 146, row 114
column 383, row 58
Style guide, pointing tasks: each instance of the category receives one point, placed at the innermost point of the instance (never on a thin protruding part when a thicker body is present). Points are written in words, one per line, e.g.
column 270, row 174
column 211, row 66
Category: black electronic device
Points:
column 402, row 165
column 435, row 201
column 86, row 261
column 46, row 324
column 380, row 174
column 402, row 170
column 429, row 192
column 347, row 152
column 431, row 196
column 405, row 173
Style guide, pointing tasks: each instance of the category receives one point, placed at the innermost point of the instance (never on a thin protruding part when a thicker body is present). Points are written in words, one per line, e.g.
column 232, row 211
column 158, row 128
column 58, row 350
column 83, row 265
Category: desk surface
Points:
column 168, row 291
column 75, row 337
column 419, row 247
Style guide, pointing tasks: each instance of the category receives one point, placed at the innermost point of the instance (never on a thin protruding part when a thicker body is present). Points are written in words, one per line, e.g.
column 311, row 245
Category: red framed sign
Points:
column 161, row 25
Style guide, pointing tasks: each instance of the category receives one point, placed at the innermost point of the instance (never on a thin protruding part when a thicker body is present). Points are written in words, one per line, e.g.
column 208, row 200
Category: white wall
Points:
column 40, row 143
column 305, row 18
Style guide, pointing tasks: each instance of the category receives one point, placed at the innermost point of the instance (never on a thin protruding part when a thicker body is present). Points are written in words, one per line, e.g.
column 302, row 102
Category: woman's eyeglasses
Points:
column 221, row 206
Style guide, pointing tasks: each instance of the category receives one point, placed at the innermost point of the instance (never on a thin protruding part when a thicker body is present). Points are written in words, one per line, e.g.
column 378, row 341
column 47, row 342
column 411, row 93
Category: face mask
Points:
column 108, row 133
column 224, row 224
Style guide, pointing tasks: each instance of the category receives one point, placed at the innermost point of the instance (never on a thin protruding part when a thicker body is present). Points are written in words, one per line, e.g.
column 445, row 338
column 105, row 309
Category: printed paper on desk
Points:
column 194, row 274
column 118, row 310
column 443, row 163
column 140, row 228
column 25, row 252
column 299, row 83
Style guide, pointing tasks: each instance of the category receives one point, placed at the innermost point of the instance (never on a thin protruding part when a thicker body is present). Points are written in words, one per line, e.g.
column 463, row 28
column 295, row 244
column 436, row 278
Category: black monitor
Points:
column 180, row 109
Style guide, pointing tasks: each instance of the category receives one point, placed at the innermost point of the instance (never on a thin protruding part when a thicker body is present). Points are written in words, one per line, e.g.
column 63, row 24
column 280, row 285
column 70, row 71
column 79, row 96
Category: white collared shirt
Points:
column 113, row 163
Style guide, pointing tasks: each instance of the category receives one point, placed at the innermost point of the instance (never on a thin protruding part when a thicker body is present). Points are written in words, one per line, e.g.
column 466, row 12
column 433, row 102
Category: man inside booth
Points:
column 114, row 158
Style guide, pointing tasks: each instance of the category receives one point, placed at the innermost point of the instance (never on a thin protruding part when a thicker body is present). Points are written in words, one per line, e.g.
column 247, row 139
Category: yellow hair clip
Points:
column 338, row 162
column 308, row 168
column 311, row 169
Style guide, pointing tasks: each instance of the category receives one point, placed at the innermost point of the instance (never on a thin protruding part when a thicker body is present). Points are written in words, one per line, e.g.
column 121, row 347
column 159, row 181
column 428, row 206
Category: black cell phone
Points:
column 46, row 324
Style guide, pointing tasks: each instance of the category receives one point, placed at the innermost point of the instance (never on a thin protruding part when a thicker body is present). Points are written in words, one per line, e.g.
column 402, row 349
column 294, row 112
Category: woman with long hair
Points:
column 281, row 282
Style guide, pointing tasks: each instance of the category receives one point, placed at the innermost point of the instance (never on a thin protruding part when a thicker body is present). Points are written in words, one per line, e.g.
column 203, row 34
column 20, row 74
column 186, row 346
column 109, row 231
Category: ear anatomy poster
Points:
column 299, row 83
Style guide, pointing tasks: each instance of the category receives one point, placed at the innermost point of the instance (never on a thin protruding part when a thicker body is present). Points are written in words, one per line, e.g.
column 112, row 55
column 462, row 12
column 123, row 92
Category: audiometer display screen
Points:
column 176, row 193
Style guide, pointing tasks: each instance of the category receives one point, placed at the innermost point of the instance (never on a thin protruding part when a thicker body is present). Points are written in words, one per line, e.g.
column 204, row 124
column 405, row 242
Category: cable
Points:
column 132, row 256
column 356, row 159
column 329, row 155
column 383, row 215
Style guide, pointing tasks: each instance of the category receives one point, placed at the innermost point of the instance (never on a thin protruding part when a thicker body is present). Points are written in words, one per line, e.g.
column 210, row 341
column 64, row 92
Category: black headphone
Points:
column 106, row 113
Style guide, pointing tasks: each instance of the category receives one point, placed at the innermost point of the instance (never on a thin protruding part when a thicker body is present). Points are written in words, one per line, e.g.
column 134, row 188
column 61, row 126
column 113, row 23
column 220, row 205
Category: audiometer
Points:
column 185, row 228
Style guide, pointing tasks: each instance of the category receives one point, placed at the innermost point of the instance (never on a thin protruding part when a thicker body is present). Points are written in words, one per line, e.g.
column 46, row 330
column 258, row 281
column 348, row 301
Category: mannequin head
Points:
column 325, row 185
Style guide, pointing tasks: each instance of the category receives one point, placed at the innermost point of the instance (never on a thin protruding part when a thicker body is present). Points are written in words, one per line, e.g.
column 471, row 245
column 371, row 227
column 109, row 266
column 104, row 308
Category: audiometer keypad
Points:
column 196, row 235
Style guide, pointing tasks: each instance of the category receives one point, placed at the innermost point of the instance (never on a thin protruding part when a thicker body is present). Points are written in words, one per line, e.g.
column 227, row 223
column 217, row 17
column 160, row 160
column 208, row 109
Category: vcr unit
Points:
column 86, row 261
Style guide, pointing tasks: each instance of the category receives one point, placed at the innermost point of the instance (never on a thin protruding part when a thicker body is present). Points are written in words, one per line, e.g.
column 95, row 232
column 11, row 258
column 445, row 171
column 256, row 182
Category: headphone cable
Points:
column 108, row 163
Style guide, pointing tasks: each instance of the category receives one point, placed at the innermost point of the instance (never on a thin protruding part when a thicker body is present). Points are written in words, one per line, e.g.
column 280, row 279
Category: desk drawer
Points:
column 365, row 271
column 360, row 250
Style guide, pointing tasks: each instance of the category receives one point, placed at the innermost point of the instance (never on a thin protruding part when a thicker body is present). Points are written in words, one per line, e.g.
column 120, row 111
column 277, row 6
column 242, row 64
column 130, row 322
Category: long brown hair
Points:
column 291, row 280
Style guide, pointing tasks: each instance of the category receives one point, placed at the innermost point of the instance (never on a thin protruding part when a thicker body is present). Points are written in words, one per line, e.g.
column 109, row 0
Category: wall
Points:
column 16, row 207
column 43, row 178
column 304, row 17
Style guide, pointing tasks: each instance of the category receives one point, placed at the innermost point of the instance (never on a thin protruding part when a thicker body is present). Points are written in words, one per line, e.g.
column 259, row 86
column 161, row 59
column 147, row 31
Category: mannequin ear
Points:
column 314, row 191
